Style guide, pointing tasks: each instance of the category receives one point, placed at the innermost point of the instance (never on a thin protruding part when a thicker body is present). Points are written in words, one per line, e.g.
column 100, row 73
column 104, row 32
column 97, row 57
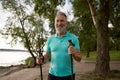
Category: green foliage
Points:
column 115, row 11
column 85, row 27
column 47, row 9
column 114, row 19
column 80, row 7
column 27, row 61
column 98, row 78
column 114, row 32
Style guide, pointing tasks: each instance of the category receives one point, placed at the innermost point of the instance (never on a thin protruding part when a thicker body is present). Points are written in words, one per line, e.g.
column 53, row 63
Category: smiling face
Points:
column 61, row 23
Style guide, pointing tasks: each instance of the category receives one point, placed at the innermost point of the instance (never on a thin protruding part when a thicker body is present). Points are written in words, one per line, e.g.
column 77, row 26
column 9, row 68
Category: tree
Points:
column 100, row 15
column 23, row 26
column 100, row 21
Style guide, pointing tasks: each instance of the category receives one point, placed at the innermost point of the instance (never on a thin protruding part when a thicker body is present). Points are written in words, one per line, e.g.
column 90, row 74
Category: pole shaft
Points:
column 72, row 78
column 41, row 75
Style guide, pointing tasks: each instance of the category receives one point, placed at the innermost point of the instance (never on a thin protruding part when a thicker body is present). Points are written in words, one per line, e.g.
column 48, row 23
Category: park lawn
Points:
column 114, row 55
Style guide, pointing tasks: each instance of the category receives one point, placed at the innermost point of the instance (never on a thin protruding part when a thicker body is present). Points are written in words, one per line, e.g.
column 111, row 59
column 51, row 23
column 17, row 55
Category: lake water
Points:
column 12, row 58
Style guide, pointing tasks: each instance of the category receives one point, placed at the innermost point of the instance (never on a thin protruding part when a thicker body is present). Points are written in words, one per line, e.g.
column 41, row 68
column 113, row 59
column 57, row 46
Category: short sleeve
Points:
column 77, row 43
column 47, row 46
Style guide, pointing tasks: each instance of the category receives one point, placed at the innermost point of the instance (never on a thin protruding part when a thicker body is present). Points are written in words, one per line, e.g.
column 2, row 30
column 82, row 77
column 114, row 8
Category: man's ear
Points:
column 67, row 23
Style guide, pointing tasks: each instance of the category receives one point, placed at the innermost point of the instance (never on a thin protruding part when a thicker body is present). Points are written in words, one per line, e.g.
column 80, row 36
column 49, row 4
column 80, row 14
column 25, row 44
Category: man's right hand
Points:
column 39, row 59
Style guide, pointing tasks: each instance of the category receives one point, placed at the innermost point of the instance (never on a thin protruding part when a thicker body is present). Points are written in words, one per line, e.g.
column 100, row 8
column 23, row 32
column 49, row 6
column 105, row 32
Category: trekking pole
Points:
column 41, row 75
column 71, row 44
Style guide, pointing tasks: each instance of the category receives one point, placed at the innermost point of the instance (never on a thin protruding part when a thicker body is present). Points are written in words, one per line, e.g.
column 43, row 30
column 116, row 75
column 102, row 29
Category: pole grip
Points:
column 70, row 43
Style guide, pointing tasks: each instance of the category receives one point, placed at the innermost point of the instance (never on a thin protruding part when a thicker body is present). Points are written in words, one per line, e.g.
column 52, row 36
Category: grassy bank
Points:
column 114, row 55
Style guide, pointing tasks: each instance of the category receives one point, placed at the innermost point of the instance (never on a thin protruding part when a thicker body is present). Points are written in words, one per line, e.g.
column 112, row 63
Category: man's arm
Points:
column 75, row 53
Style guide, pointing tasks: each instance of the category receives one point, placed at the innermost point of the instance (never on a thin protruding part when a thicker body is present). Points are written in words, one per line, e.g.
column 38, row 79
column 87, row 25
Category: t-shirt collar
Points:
column 66, row 34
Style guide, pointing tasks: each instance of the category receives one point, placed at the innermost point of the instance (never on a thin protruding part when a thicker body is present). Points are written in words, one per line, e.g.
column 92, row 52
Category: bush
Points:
column 27, row 61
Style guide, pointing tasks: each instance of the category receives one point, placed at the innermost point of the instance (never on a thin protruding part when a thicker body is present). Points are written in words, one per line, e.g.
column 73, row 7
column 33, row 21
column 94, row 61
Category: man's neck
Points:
column 61, row 34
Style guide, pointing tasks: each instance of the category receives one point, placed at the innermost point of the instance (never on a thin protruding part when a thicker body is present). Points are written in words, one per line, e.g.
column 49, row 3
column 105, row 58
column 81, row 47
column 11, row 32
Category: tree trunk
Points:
column 28, row 45
column 88, row 53
column 27, row 41
column 102, row 59
column 100, row 20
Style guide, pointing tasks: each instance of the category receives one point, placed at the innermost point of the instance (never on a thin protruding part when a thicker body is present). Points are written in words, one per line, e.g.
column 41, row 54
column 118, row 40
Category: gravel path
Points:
column 34, row 73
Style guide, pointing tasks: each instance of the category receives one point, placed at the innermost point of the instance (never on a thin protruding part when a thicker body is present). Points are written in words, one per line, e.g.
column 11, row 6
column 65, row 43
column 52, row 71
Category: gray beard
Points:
column 60, row 30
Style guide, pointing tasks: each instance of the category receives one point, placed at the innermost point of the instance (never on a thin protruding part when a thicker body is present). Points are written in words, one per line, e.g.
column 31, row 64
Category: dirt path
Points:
column 34, row 73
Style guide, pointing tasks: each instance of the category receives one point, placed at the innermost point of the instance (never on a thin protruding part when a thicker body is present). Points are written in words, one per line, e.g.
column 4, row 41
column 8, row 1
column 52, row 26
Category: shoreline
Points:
column 6, row 70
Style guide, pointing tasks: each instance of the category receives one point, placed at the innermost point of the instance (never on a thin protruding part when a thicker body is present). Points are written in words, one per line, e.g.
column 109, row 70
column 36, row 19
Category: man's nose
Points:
column 59, row 23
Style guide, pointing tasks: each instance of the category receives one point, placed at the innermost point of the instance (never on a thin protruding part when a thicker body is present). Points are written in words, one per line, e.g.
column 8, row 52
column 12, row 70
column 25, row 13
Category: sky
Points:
column 4, row 43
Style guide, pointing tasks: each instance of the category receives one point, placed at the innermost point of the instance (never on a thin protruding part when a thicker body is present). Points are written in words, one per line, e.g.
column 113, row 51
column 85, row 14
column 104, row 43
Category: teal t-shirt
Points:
column 60, row 59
